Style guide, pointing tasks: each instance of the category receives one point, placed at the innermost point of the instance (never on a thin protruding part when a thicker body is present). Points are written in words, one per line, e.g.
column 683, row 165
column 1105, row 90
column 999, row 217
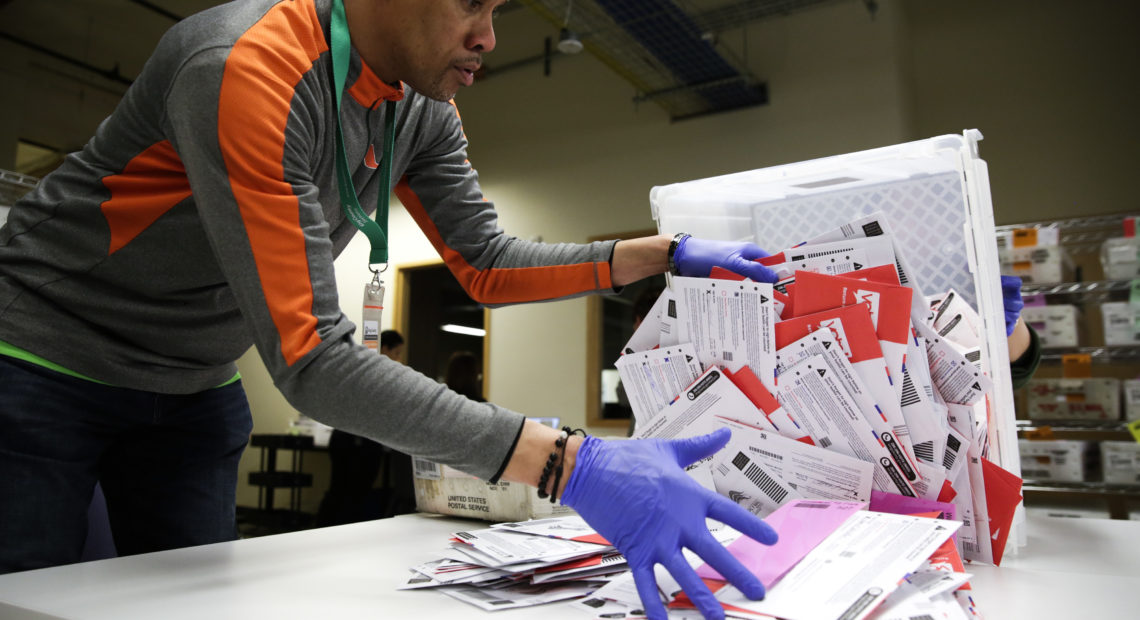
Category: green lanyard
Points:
column 376, row 231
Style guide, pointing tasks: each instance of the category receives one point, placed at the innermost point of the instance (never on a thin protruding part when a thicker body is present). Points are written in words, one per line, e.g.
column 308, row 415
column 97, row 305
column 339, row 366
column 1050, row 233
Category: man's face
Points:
column 437, row 45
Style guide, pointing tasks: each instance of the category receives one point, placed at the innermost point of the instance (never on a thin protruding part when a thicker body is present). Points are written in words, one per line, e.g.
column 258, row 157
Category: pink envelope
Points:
column 802, row 524
column 902, row 505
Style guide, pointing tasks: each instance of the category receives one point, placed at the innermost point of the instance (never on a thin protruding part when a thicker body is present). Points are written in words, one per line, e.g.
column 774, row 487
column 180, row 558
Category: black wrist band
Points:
column 673, row 245
column 555, row 462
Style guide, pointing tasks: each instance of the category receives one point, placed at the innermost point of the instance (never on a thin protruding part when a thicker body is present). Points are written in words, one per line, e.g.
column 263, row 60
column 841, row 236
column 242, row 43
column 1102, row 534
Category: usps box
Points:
column 1073, row 399
column 1120, row 462
column 1057, row 460
column 445, row 490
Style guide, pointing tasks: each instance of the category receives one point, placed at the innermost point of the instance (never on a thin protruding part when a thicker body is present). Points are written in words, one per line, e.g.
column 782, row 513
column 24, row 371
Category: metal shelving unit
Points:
column 1081, row 239
column 13, row 185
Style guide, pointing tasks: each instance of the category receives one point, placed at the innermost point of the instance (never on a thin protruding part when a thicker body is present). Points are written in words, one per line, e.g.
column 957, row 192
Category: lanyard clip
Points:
column 376, row 274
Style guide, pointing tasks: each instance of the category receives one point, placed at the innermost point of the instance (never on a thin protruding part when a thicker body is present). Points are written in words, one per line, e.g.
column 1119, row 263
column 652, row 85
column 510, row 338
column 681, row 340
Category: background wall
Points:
column 570, row 156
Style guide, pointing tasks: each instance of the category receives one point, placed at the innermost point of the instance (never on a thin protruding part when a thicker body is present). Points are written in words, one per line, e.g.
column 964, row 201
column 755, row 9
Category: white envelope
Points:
column 653, row 378
column 823, row 342
column 813, row 472
column 729, row 322
column 813, row 395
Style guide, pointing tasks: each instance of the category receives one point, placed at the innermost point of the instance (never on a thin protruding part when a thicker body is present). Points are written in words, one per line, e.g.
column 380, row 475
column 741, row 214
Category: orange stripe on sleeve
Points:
column 261, row 73
column 149, row 185
column 504, row 286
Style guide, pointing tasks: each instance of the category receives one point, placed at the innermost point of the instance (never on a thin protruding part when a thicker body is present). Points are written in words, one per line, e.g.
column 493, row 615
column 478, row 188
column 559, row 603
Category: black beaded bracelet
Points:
column 554, row 463
column 673, row 245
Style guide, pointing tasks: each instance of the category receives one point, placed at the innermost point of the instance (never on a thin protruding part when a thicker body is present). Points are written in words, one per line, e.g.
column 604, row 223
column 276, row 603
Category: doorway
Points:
column 439, row 321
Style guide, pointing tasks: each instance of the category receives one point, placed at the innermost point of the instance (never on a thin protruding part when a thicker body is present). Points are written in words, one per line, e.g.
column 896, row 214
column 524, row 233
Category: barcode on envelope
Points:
column 765, row 483
column 909, row 394
column 924, row 451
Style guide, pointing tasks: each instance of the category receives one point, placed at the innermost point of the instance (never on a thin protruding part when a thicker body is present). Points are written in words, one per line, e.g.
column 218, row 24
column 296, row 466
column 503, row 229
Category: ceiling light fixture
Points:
column 568, row 41
column 462, row 329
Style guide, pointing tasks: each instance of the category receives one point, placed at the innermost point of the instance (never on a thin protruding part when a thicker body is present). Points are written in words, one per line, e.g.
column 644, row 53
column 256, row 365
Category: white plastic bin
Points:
column 935, row 195
column 934, row 192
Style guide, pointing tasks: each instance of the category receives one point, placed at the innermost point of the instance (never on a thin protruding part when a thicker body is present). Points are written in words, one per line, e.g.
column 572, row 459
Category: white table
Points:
column 1071, row 568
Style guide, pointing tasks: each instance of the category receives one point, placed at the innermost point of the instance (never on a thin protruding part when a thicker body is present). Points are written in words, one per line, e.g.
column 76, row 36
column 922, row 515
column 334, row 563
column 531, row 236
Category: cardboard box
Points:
column 1120, row 258
column 1073, row 399
column 1069, row 512
column 1036, row 264
column 1055, row 460
column 1119, row 323
column 445, row 490
column 1131, row 400
column 1057, row 325
column 1120, row 462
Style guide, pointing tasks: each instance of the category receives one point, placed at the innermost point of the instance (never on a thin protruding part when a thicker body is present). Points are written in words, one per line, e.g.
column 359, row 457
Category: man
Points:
column 204, row 216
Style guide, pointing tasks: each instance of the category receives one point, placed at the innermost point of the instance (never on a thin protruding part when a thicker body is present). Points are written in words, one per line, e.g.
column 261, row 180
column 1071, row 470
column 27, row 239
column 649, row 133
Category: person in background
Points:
column 204, row 217
column 355, row 462
column 464, row 375
column 1024, row 345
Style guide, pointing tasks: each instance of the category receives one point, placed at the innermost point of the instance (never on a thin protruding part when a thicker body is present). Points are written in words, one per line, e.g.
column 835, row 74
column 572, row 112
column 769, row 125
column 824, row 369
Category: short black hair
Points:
column 645, row 300
column 390, row 338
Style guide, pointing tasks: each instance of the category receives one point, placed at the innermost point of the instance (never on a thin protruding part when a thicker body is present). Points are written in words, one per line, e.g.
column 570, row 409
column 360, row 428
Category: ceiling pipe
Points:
column 110, row 74
column 157, row 9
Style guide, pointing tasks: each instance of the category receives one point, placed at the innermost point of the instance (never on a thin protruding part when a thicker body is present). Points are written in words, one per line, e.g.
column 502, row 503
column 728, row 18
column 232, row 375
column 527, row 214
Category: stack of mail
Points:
column 513, row 565
column 839, row 380
column 832, row 560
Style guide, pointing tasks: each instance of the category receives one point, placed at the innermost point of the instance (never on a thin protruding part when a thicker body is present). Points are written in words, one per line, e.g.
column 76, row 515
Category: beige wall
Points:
column 1053, row 87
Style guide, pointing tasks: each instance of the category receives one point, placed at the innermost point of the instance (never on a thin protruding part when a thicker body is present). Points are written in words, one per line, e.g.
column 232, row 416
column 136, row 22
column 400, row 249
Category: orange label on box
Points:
column 1076, row 366
column 1041, row 432
column 1024, row 237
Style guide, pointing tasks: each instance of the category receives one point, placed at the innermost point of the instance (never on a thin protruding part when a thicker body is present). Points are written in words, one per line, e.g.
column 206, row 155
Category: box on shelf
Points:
column 1120, row 258
column 1035, row 263
column 1069, row 512
column 1120, row 462
column 1119, row 323
column 1055, row 460
column 445, row 490
column 1073, row 399
column 1057, row 325
column 1131, row 400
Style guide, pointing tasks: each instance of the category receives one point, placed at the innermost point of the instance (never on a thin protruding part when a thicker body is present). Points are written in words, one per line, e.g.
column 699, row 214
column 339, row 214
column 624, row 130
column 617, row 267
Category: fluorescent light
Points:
column 462, row 329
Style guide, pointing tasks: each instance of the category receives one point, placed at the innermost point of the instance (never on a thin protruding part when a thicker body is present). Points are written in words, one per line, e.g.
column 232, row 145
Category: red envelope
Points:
column 858, row 337
column 720, row 273
column 749, row 384
column 884, row 274
column 1003, row 494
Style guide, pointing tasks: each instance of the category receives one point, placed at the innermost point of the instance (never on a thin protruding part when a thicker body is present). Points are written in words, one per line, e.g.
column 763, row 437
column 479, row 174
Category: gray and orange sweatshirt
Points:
column 203, row 217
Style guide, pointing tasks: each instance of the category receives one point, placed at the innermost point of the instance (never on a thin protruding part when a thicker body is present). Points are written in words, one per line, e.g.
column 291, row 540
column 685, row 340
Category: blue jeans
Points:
column 167, row 464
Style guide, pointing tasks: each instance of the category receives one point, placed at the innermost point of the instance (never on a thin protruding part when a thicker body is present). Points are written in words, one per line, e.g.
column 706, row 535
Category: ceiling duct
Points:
column 667, row 50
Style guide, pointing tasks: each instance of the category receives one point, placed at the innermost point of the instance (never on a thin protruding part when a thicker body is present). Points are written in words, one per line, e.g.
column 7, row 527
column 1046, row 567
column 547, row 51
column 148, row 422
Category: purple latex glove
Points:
column 696, row 257
column 636, row 494
column 1011, row 301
